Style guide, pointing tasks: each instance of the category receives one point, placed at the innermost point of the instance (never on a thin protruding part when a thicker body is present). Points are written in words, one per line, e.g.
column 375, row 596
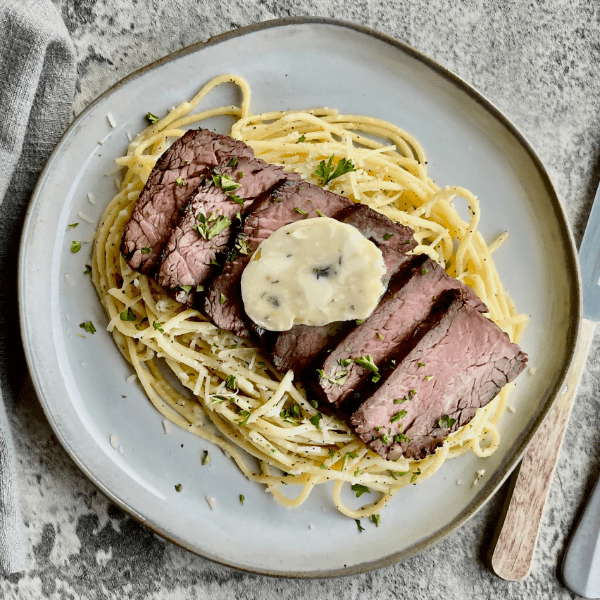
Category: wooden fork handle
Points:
column 515, row 545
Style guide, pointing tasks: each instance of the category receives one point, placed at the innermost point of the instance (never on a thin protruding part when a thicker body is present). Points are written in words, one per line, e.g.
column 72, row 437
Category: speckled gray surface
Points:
column 538, row 61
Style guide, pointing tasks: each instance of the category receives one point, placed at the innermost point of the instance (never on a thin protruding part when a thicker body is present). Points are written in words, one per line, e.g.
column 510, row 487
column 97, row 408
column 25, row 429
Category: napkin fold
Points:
column 37, row 75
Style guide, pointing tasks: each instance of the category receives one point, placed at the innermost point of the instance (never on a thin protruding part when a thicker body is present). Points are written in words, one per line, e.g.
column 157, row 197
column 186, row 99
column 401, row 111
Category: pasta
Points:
column 224, row 389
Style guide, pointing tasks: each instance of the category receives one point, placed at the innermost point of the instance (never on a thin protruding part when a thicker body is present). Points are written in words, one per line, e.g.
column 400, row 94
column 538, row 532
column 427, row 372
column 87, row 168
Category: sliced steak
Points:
column 457, row 362
column 158, row 208
column 291, row 202
column 297, row 348
column 205, row 229
column 393, row 239
column 408, row 300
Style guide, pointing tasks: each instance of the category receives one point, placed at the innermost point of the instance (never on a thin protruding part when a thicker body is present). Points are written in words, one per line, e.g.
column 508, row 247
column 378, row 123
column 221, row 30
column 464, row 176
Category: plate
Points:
column 82, row 380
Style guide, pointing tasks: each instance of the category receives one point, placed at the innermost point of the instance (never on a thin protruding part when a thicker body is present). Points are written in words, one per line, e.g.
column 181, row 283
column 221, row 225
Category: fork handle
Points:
column 515, row 545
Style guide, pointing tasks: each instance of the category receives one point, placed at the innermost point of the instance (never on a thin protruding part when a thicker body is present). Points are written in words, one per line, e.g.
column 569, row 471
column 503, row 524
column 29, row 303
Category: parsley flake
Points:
column 178, row 487
column 360, row 527
column 376, row 519
column 446, row 421
column 398, row 416
column 75, row 247
column 387, row 236
column 152, row 118
column 128, row 315
column 180, row 181
column 360, row 489
column 230, row 383
column 145, row 250
column 300, row 211
column 326, row 171
column 315, row 420
column 302, row 138
column 242, row 499
column 222, row 299
column 206, row 458
column 88, row 269
column 73, row 225
column 88, row 326
column 158, row 326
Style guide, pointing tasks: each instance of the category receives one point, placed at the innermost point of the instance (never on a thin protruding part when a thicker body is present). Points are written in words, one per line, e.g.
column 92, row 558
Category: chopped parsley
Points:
column 180, row 181
column 326, row 171
column 360, row 527
column 145, row 250
column 347, row 457
column 88, row 269
column 428, row 377
column 246, row 415
column 222, row 299
column 420, row 364
column 300, row 211
column 233, row 162
column 415, row 475
column 230, row 383
column 210, row 226
column 344, row 362
column 319, row 213
column 242, row 499
column 339, row 377
column 360, row 489
column 424, row 271
column 226, row 183
column 387, row 236
column 385, row 439
column 398, row 416
column 446, row 421
column 73, row 225
column 186, row 288
column 314, row 403
column 376, row 519
column 75, row 247
column 367, row 363
column 236, row 199
column 158, row 326
column 206, row 458
column 315, row 420
column 128, row 315
column 291, row 415
column 302, row 138
column 400, row 437
column 88, row 326
column 178, row 487
column 152, row 118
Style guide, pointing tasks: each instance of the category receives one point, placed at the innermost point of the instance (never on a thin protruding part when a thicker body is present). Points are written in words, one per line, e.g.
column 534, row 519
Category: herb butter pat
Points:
column 312, row 272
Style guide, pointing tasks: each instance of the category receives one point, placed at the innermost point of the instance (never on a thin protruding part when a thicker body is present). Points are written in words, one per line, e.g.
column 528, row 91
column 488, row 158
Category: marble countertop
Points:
column 538, row 62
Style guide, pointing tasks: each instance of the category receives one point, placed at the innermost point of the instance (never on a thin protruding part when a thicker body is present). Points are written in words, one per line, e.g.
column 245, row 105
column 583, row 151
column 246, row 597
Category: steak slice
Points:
column 393, row 239
column 298, row 347
column 291, row 202
column 194, row 244
column 160, row 203
column 456, row 363
column 408, row 300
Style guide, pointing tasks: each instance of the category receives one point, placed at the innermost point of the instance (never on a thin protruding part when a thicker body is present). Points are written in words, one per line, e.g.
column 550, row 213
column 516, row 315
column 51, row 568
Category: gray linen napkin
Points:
column 37, row 82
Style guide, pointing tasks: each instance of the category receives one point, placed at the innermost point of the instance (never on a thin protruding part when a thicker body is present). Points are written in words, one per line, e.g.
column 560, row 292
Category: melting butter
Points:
column 312, row 272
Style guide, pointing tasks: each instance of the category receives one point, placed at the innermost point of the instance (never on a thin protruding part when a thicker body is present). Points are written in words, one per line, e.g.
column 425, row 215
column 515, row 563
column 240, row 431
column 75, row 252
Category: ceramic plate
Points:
column 82, row 381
